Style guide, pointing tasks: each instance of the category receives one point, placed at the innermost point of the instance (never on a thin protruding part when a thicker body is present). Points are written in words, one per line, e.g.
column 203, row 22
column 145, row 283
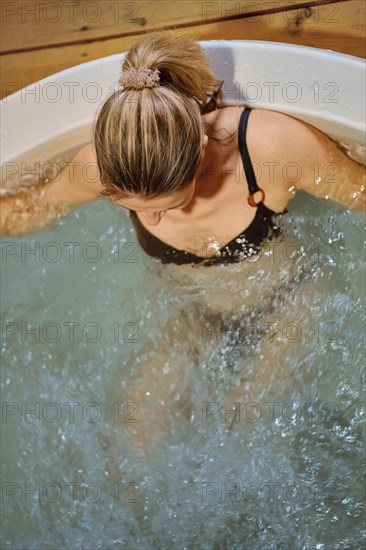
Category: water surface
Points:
column 179, row 407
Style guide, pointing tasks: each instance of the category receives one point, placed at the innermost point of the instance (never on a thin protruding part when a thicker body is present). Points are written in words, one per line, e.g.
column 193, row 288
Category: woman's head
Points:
column 149, row 141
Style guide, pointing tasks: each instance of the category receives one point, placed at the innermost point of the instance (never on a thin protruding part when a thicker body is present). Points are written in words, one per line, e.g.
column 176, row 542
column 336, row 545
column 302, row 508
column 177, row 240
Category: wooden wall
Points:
column 42, row 38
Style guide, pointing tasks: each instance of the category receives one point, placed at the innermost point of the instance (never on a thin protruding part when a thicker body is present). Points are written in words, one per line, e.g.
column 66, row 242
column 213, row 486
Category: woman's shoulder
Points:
column 265, row 126
column 266, row 137
column 229, row 116
column 270, row 134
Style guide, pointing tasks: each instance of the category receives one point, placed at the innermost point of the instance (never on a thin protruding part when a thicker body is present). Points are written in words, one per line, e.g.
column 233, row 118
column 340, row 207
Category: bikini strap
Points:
column 248, row 167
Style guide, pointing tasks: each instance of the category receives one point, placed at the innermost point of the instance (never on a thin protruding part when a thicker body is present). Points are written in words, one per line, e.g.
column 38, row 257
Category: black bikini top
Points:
column 246, row 244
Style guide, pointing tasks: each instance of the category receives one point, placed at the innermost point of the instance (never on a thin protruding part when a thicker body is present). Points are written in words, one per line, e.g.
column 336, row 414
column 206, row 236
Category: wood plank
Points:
column 37, row 25
column 339, row 28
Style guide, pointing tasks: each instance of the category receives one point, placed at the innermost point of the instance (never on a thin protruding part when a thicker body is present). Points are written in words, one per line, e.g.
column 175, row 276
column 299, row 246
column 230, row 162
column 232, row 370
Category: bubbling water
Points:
column 150, row 405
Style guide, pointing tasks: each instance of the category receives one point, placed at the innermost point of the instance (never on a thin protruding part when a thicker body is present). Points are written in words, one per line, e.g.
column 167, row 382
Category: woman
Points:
column 184, row 170
column 177, row 165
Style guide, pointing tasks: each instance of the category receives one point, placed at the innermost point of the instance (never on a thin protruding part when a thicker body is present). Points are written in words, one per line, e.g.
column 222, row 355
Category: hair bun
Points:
column 142, row 77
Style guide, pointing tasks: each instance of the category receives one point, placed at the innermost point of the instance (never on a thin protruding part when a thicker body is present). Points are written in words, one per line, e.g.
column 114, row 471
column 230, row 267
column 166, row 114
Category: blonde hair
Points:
column 148, row 141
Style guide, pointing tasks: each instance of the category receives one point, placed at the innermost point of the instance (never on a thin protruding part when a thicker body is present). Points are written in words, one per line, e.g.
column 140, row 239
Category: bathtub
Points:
column 252, row 421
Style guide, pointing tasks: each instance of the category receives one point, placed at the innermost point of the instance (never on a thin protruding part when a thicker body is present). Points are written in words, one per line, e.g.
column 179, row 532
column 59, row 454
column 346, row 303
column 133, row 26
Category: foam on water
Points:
column 205, row 408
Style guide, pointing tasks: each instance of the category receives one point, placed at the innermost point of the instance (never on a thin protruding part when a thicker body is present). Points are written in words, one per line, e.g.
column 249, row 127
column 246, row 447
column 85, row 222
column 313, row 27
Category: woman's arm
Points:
column 35, row 209
column 323, row 170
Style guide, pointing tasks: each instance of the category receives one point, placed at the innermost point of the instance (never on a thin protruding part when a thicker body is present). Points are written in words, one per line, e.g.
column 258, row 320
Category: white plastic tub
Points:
column 321, row 87
column 75, row 295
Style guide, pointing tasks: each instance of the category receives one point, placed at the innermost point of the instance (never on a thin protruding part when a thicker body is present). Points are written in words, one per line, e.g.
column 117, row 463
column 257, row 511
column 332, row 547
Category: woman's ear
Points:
column 205, row 141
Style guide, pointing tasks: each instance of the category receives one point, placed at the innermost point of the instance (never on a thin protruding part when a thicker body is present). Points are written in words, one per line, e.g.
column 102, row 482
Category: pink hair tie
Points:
column 140, row 78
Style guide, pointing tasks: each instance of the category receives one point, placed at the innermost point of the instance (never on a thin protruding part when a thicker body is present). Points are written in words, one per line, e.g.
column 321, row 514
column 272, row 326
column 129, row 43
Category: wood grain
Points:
column 33, row 25
column 34, row 47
